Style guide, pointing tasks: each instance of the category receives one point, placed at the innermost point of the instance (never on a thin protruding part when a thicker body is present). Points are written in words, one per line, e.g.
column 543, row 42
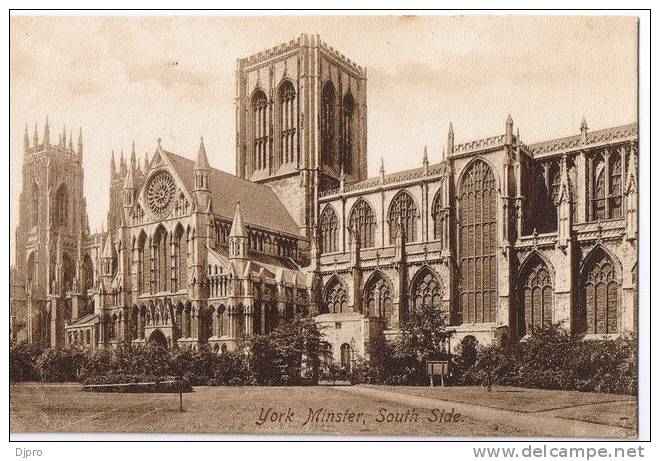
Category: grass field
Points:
column 307, row 410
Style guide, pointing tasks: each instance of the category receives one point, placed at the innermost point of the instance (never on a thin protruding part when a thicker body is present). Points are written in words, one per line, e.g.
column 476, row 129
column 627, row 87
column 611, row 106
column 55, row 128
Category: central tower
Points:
column 301, row 121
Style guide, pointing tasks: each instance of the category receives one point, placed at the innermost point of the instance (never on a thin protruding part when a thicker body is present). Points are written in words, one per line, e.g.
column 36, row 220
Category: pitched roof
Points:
column 593, row 137
column 259, row 204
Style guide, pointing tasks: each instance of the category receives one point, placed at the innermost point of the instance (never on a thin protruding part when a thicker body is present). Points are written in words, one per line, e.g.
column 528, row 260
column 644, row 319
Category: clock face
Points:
column 160, row 194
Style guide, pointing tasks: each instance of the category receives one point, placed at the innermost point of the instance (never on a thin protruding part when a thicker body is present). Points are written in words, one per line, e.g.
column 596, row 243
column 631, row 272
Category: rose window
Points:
column 160, row 194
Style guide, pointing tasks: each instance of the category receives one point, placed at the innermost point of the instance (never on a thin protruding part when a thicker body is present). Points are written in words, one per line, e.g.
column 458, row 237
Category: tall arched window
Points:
column 87, row 274
column 259, row 106
column 144, row 266
column 335, row 298
column 477, row 244
column 161, row 257
column 34, row 211
column 403, row 214
column 600, row 295
column 615, row 187
column 535, row 304
column 599, row 192
column 328, row 99
column 181, row 259
column 606, row 200
column 329, row 231
column 61, row 215
column 378, row 298
column 426, row 290
column 440, row 217
column 348, row 108
column 363, row 218
column 287, row 122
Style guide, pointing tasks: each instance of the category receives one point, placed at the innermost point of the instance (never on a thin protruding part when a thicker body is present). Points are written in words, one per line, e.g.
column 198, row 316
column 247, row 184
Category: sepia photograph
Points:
column 350, row 226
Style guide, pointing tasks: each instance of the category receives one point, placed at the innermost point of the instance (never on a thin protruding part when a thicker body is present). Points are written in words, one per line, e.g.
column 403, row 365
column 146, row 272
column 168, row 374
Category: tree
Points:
column 287, row 354
column 424, row 336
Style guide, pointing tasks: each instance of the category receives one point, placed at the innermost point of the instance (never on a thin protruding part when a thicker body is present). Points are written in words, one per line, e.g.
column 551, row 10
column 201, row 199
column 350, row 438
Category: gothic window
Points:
column 600, row 296
column 287, row 122
column 364, row 219
column 260, row 130
column 606, row 200
column 378, row 298
column 599, row 193
column 615, row 186
column 161, row 260
column 144, row 266
column 181, row 259
column 535, row 304
column 335, row 298
column 61, row 216
column 426, row 290
column 477, row 244
column 403, row 216
column 329, row 228
column 328, row 124
column 87, row 274
column 348, row 108
column 160, row 194
column 440, row 217
column 555, row 182
column 34, row 212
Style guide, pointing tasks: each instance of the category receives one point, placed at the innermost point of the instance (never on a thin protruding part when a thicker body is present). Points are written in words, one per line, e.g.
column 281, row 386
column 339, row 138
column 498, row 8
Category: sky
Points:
column 129, row 78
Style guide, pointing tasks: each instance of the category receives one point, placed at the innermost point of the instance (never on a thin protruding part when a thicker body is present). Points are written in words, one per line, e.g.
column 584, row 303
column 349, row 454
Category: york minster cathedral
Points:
column 501, row 235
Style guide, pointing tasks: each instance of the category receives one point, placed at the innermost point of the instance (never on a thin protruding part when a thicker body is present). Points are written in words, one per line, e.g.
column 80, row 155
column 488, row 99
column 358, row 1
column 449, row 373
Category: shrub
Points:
column 61, row 365
column 232, row 369
column 22, row 358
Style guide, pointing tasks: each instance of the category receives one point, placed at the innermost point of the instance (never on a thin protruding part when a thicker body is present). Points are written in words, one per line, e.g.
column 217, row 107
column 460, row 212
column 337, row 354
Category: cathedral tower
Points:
column 52, row 224
column 301, row 120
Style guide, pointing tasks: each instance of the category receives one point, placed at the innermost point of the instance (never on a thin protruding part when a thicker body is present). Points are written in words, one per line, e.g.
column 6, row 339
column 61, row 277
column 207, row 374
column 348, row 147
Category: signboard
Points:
column 437, row 367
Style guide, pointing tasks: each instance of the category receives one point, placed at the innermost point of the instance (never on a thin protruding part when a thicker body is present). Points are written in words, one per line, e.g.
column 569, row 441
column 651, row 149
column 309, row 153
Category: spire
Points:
column 46, row 133
column 342, row 178
column 450, row 139
column 107, row 250
column 237, row 227
column 64, row 136
column 129, row 182
column 122, row 164
column 71, row 141
column 35, row 137
column 382, row 170
column 146, row 162
column 202, row 163
column 425, row 160
column 26, row 139
column 133, row 156
column 80, row 142
column 583, row 130
column 113, row 170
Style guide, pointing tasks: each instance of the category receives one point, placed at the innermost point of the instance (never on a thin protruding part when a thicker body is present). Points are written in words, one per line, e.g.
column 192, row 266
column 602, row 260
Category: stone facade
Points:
column 501, row 235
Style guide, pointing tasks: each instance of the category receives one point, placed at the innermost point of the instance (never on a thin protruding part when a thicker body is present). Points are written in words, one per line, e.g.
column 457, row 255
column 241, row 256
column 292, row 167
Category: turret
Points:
column 113, row 169
column 425, row 161
column 382, row 170
column 80, row 143
column 26, row 140
column 129, row 185
column 450, row 139
column 201, row 172
column 64, row 137
column 35, row 137
column 46, row 134
column 509, row 130
column 122, row 165
column 583, row 130
column 238, row 240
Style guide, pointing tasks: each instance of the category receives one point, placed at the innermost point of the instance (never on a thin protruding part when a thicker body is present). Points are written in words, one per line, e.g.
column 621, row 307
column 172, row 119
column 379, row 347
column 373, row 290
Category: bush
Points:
column 22, row 361
column 552, row 359
column 61, row 365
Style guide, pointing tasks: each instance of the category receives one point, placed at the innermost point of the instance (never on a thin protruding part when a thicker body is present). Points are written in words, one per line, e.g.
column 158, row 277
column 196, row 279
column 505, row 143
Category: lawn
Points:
column 38, row 407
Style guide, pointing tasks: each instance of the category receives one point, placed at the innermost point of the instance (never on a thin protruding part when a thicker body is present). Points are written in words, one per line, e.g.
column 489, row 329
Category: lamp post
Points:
column 352, row 354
